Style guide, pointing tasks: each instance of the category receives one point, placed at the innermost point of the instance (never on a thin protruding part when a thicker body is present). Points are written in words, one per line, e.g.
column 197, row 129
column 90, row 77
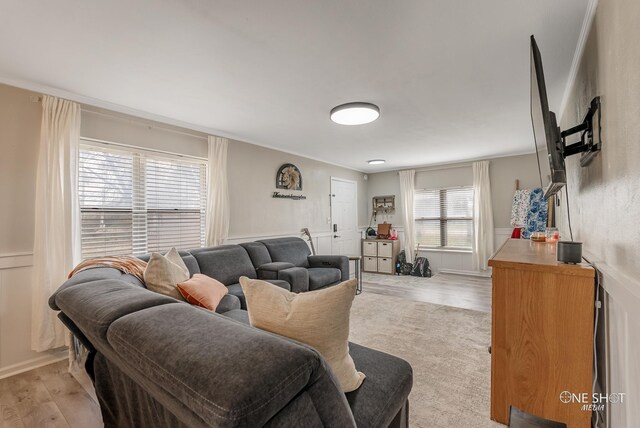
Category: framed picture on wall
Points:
column 289, row 177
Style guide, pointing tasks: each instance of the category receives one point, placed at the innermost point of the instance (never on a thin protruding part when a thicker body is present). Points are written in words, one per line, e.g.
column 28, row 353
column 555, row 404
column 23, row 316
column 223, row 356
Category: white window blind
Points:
column 444, row 217
column 134, row 202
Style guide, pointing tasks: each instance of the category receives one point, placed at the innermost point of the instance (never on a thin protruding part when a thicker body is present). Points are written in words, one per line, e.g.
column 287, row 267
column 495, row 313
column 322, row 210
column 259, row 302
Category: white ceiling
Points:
column 451, row 77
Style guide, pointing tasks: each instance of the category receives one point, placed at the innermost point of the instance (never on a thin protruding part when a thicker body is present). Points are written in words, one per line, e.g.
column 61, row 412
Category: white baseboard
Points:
column 24, row 366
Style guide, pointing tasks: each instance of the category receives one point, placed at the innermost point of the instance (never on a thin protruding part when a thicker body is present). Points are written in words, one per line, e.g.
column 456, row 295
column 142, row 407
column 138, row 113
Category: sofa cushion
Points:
column 321, row 277
column 201, row 375
column 228, row 303
column 257, row 252
column 280, row 283
column 386, row 389
column 298, row 277
column 95, row 305
column 226, row 263
column 94, row 274
column 292, row 250
column 318, row 318
column 236, row 290
column 270, row 270
column 204, row 291
column 239, row 315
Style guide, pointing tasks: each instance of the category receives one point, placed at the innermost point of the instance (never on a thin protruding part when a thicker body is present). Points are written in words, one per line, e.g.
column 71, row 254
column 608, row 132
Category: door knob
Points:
column 336, row 236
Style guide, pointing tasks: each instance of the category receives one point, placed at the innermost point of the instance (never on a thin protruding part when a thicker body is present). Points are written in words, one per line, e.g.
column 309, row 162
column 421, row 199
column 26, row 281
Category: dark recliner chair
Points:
column 290, row 260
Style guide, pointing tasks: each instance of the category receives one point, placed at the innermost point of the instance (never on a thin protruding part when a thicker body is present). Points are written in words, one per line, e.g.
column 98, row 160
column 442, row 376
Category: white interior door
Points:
column 344, row 217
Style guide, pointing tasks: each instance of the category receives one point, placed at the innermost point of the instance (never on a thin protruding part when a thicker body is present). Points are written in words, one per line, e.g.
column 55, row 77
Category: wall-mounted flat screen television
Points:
column 549, row 145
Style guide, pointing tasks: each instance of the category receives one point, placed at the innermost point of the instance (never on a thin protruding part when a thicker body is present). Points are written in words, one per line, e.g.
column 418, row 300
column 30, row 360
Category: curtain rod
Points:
column 134, row 118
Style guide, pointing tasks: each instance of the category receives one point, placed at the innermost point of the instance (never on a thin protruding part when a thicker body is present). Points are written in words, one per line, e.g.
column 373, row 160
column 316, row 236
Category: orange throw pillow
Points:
column 202, row 290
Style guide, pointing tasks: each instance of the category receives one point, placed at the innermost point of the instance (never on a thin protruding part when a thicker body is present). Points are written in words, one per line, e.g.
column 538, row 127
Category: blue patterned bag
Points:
column 537, row 215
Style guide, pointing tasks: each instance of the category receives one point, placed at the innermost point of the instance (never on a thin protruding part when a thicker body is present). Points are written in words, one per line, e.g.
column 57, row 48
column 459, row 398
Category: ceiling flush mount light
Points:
column 375, row 161
column 355, row 113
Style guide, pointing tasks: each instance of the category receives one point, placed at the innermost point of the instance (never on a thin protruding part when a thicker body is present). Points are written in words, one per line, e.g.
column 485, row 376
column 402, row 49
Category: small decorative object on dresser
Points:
column 384, row 230
column 380, row 255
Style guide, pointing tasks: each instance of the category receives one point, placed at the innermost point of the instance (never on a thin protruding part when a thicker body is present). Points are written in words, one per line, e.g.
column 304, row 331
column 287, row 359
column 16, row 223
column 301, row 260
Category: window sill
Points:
column 444, row 250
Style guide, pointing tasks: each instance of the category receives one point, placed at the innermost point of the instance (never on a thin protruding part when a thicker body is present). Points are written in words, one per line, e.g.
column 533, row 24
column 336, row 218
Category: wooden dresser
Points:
column 380, row 255
column 541, row 333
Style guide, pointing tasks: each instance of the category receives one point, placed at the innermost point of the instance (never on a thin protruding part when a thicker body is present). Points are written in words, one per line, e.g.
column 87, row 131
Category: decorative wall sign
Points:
column 289, row 177
column 289, row 196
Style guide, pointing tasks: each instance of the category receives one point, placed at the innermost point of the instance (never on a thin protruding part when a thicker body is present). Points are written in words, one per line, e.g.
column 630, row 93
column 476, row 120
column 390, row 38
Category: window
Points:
column 444, row 217
column 134, row 201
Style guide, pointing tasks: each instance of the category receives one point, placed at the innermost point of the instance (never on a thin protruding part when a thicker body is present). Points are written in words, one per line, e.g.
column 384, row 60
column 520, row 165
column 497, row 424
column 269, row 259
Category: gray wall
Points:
column 19, row 141
column 252, row 172
column 604, row 195
column 502, row 172
column 120, row 128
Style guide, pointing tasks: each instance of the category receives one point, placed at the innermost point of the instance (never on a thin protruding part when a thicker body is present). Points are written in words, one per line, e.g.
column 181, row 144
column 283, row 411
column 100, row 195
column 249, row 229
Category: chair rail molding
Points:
column 16, row 260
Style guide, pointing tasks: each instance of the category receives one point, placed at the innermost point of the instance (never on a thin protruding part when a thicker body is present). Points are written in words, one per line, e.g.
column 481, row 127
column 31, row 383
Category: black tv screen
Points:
column 545, row 130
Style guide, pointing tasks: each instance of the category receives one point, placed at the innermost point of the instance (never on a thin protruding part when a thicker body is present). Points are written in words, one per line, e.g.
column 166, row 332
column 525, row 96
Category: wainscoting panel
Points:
column 16, row 355
column 621, row 345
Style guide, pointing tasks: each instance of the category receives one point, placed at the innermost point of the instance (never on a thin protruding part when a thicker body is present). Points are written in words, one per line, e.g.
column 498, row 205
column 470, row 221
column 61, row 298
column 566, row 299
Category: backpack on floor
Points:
column 402, row 260
column 406, row 269
column 421, row 268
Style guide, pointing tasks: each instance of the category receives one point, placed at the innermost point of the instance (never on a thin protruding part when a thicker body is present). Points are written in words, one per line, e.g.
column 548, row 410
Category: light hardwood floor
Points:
column 47, row 397
column 461, row 291
column 50, row 397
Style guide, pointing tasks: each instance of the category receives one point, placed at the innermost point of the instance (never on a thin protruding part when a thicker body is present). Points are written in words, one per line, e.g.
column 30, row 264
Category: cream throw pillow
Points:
column 163, row 273
column 318, row 318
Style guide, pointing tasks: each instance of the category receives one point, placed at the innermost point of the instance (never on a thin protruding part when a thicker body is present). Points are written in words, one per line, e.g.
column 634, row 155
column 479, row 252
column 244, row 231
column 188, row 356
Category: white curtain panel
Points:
column 482, row 216
column 217, row 222
column 56, row 248
column 407, row 190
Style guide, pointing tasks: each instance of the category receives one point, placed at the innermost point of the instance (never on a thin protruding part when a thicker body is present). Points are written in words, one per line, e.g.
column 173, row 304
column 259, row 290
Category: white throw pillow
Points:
column 317, row 318
column 163, row 273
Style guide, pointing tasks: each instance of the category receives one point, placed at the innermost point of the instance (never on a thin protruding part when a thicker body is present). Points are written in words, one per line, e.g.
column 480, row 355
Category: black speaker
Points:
column 569, row 252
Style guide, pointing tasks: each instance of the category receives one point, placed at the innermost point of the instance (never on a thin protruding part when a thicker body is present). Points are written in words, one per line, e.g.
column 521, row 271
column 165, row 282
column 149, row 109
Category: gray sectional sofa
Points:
column 285, row 262
column 159, row 362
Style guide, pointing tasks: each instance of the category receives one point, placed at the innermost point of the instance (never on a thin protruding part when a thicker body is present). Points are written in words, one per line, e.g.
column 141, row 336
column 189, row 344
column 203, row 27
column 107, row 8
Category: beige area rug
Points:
column 447, row 348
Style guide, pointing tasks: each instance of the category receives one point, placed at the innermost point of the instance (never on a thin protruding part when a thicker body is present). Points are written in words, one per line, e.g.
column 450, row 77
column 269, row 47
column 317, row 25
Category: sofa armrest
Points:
column 328, row 261
column 228, row 303
column 296, row 276
column 270, row 270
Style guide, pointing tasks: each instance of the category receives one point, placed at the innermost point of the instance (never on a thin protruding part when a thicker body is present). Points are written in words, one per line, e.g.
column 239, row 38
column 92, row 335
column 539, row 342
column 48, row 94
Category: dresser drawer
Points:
column 369, row 249
column 370, row 264
column 385, row 265
column 385, row 249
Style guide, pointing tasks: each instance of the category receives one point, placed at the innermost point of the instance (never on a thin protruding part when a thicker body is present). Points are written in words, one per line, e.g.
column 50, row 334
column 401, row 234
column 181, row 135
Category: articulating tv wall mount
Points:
column 590, row 142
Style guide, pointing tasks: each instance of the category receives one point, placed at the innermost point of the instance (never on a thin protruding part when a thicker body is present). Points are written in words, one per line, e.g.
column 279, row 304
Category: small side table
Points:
column 358, row 272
